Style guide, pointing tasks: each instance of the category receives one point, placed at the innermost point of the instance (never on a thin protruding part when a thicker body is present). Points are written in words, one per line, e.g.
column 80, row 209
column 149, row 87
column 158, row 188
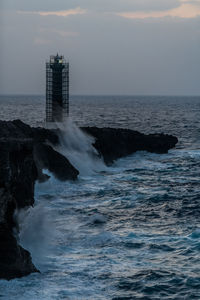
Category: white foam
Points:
column 97, row 219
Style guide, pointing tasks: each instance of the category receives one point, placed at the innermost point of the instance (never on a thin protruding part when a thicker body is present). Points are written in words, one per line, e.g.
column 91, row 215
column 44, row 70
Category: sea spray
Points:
column 36, row 232
column 77, row 146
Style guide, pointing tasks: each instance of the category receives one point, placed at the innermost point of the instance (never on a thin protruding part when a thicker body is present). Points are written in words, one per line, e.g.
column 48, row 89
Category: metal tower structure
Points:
column 57, row 89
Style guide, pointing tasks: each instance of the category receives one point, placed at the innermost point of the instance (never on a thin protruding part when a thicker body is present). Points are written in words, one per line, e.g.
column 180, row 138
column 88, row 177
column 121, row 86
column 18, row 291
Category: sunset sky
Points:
column 137, row 47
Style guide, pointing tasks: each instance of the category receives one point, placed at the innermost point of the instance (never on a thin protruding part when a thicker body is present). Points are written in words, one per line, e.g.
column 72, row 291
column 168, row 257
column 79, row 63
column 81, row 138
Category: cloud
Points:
column 60, row 13
column 186, row 10
column 61, row 33
column 190, row 1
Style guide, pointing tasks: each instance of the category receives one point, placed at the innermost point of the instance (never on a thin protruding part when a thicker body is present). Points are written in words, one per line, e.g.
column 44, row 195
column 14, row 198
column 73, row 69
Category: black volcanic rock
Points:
column 15, row 261
column 48, row 158
column 17, row 177
column 16, row 134
column 19, row 130
column 17, row 169
column 114, row 143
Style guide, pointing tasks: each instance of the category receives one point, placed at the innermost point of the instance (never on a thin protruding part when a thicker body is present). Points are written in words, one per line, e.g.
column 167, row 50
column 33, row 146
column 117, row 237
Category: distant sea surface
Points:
column 130, row 231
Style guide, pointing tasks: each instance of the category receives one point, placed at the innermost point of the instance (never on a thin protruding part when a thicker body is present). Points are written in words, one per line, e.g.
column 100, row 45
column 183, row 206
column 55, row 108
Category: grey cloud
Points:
column 95, row 5
column 107, row 54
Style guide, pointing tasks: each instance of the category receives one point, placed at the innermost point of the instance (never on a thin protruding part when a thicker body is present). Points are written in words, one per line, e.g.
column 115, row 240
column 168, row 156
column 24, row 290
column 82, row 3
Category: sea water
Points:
column 129, row 231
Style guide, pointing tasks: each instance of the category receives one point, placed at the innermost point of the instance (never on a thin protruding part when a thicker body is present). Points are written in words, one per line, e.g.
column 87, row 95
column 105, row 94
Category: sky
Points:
column 114, row 47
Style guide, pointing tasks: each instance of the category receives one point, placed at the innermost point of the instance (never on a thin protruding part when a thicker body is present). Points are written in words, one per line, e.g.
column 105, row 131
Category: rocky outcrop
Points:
column 23, row 155
column 17, row 176
column 112, row 143
column 15, row 261
column 47, row 158
column 19, row 130
column 37, row 139
column 26, row 151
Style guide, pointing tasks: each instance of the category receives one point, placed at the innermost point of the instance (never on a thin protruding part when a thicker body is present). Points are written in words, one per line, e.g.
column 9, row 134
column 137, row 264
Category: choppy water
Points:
column 131, row 231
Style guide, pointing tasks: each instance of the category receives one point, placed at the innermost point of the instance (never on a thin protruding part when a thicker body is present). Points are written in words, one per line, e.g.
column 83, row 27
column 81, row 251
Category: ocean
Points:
column 128, row 231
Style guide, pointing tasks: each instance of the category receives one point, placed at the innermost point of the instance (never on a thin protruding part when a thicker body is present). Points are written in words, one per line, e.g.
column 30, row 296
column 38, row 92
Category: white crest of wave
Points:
column 77, row 146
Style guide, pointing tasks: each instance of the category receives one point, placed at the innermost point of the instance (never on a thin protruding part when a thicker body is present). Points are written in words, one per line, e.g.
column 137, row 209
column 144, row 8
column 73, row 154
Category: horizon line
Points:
column 108, row 95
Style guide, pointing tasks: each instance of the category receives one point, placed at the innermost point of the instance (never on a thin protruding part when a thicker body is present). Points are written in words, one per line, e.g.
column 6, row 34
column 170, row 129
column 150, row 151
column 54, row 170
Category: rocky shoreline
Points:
column 26, row 151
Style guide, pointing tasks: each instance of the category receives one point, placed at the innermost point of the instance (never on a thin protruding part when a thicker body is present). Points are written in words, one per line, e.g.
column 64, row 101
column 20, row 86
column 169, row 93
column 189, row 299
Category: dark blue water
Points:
column 131, row 231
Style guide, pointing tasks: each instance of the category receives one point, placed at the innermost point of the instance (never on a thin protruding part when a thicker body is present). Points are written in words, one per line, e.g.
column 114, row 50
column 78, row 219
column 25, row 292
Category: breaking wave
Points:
column 78, row 147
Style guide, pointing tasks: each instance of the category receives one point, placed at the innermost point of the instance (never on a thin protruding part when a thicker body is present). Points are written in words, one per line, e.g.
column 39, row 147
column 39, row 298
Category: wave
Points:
column 78, row 147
